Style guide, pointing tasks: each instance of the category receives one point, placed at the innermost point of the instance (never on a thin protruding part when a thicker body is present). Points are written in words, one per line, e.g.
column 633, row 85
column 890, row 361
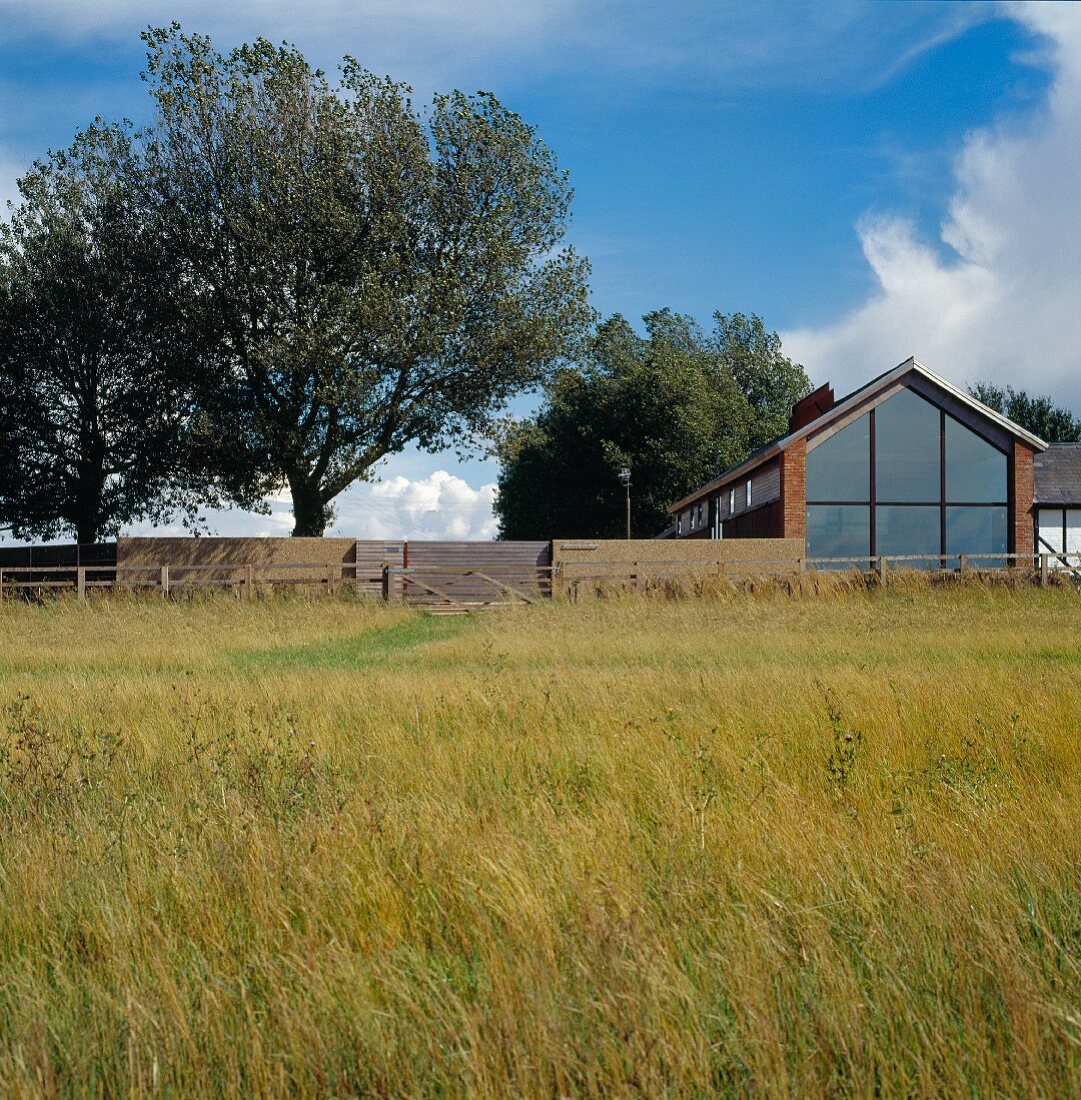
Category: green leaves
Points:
column 376, row 276
column 1039, row 415
column 282, row 281
column 677, row 407
column 96, row 353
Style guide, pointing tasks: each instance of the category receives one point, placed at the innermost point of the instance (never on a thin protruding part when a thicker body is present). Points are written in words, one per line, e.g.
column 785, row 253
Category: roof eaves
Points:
column 751, row 462
column 846, row 404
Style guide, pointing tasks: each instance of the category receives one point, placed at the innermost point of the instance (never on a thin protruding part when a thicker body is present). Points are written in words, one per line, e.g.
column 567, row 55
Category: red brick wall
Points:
column 794, row 491
column 1021, row 494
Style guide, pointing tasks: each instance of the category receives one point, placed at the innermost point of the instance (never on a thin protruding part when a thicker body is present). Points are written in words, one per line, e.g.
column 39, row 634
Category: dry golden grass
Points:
column 737, row 845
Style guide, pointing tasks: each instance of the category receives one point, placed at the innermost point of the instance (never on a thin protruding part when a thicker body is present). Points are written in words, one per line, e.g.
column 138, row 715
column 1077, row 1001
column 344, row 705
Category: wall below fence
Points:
column 449, row 575
column 584, row 557
column 226, row 560
column 356, row 564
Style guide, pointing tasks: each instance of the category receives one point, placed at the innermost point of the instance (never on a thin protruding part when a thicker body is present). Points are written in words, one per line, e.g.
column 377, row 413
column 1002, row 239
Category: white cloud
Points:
column 997, row 296
column 737, row 43
column 414, row 39
column 439, row 505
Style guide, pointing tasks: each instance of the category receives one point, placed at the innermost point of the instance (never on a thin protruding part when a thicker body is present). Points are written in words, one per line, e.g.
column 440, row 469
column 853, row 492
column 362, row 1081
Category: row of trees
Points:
column 1039, row 415
column 676, row 406
column 278, row 283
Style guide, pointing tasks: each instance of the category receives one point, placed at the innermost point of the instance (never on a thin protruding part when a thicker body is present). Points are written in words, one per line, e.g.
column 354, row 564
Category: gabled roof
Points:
column 846, row 405
column 1057, row 473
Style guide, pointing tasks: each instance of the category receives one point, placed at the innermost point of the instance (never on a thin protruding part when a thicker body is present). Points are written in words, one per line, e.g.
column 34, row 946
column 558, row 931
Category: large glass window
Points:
column 840, row 467
column 976, row 532
column 975, row 471
column 903, row 529
column 918, row 450
column 908, row 449
column 838, row 531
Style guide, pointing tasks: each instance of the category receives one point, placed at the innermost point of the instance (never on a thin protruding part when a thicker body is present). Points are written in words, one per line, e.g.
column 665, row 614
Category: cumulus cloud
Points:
column 996, row 296
column 439, row 505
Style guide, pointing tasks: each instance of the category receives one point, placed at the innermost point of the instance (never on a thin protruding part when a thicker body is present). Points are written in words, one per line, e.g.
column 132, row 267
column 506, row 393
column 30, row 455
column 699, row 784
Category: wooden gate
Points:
column 462, row 577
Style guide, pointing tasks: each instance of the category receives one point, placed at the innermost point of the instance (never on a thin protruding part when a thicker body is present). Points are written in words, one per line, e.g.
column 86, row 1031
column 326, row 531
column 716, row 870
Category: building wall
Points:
column 718, row 504
column 758, row 523
column 1059, row 529
column 794, row 492
column 1022, row 489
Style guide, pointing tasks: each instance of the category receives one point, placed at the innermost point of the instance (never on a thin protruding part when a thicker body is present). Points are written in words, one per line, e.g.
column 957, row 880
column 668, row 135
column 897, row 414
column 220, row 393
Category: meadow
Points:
column 737, row 845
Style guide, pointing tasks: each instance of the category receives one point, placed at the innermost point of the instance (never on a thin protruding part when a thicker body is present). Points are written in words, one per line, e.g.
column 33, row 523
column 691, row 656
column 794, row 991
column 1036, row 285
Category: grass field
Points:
column 743, row 845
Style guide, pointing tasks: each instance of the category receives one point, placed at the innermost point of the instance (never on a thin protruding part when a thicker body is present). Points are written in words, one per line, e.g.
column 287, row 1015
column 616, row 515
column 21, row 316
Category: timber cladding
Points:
column 585, row 556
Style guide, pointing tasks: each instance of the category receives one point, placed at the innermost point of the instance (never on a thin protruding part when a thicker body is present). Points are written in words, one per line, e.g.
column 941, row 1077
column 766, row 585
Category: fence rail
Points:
column 469, row 588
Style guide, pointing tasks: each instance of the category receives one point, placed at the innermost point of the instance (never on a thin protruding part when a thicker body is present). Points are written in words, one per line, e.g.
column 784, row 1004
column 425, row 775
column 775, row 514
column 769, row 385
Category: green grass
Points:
column 406, row 642
column 739, row 845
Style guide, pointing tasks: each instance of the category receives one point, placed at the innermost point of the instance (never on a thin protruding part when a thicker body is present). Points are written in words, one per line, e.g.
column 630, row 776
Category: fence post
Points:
column 165, row 580
column 1043, row 568
column 80, row 582
column 1, row 584
column 249, row 581
column 883, row 570
column 386, row 584
column 962, row 563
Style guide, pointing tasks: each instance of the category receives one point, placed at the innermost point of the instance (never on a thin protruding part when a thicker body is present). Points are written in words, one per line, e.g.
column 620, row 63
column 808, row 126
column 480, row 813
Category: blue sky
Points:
column 875, row 179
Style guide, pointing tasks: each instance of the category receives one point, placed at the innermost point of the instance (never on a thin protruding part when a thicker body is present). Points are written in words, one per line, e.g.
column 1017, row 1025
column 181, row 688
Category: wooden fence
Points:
column 462, row 585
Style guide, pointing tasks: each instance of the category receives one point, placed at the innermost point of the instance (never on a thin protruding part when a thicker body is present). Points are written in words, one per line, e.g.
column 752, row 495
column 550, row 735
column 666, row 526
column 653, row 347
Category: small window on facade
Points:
column 748, row 492
column 731, row 501
column 679, row 524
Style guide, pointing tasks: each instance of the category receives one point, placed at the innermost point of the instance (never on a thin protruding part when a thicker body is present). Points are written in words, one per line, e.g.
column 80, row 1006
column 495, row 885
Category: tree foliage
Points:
column 677, row 406
column 1039, row 415
column 376, row 276
column 95, row 398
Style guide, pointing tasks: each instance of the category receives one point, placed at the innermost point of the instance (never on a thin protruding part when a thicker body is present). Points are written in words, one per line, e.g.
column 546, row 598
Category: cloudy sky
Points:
column 876, row 180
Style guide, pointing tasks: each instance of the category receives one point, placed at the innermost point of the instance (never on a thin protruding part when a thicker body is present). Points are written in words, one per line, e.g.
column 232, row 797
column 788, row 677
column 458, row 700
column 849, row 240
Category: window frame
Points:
column 873, row 501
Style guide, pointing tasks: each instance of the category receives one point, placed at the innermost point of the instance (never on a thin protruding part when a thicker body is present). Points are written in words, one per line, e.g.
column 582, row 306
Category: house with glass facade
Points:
column 906, row 467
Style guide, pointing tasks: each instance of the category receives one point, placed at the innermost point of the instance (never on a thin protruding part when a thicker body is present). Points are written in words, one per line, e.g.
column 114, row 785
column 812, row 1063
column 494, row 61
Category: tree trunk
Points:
column 86, row 532
column 309, row 511
column 87, row 501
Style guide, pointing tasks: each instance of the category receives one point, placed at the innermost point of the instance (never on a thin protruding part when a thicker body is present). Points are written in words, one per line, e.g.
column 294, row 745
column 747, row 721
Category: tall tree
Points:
column 1039, row 415
column 96, row 425
column 767, row 378
column 677, row 407
column 377, row 276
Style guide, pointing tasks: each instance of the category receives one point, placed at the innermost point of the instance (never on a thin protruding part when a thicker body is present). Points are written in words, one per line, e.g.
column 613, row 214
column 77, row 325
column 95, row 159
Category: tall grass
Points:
column 737, row 845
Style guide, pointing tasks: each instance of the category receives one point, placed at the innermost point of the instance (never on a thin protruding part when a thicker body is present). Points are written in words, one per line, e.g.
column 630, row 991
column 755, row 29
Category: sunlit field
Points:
column 739, row 845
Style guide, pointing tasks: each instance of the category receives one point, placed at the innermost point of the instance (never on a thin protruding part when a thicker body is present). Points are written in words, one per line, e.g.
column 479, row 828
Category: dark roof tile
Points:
column 1058, row 474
